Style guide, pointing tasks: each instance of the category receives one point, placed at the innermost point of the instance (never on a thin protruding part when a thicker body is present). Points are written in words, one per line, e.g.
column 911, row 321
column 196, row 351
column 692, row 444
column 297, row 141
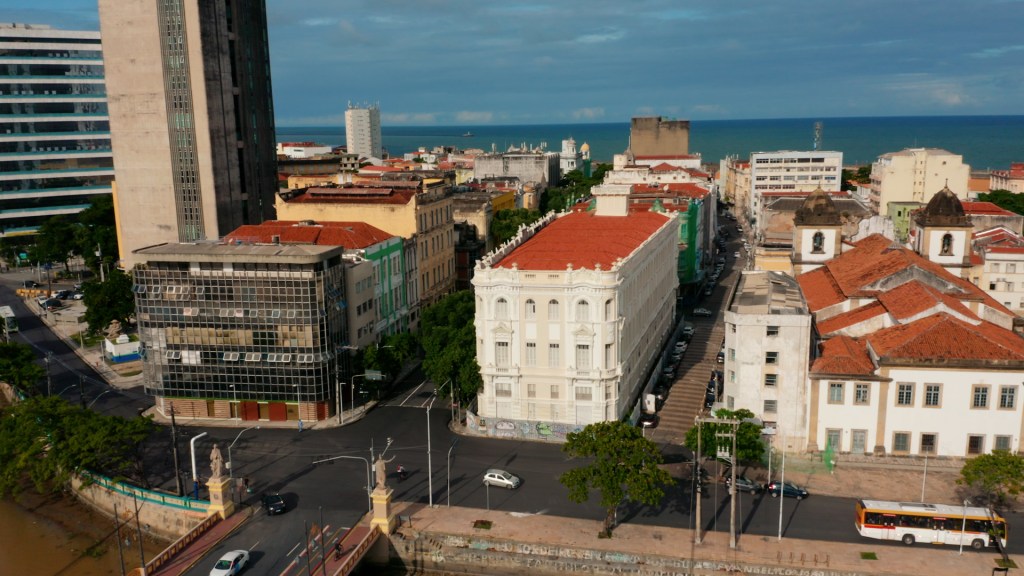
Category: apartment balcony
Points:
column 48, row 174
column 36, row 118
column 53, row 136
column 55, row 192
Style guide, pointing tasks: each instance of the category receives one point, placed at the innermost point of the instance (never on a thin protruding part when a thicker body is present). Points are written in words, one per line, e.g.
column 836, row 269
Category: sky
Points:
column 497, row 62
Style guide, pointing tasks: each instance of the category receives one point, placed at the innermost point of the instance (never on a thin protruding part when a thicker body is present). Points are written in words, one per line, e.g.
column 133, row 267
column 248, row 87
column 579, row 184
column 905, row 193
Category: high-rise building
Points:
column 54, row 136
column 362, row 131
column 191, row 118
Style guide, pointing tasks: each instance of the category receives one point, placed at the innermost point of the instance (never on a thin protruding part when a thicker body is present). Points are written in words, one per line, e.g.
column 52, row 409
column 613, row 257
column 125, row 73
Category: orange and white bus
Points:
column 911, row 522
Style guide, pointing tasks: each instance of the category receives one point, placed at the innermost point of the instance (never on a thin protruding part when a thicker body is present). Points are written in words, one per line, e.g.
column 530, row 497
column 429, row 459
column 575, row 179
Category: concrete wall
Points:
column 168, row 523
column 429, row 552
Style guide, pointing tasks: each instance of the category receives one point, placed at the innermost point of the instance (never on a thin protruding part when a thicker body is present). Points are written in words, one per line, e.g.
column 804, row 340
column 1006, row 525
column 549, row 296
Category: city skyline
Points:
column 466, row 63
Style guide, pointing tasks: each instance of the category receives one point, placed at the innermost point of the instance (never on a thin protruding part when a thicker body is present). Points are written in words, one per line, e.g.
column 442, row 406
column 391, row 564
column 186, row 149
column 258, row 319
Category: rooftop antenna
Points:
column 818, row 127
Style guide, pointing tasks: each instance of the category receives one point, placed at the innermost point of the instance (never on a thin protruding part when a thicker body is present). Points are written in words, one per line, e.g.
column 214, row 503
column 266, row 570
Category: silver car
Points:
column 501, row 478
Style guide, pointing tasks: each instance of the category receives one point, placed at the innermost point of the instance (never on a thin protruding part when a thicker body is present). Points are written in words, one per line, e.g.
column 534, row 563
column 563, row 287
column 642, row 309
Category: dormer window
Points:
column 818, row 243
column 947, row 245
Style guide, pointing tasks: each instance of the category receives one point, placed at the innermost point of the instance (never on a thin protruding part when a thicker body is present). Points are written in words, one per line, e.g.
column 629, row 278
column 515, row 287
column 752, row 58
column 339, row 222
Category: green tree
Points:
column 571, row 188
column 449, row 343
column 55, row 241
column 18, row 367
column 108, row 301
column 749, row 447
column 46, row 440
column 623, row 466
column 507, row 222
column 994, row 476
column 1005, row 199
column 97, row 232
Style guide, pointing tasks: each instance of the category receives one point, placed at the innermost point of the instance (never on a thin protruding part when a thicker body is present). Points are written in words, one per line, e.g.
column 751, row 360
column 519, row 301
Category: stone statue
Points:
column 216, row 463
column 382, row 474
column 113, row 329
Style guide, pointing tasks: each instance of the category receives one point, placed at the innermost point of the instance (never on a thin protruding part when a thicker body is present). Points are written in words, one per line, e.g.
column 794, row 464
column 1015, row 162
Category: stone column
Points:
column 220, row 497
column 382, row 513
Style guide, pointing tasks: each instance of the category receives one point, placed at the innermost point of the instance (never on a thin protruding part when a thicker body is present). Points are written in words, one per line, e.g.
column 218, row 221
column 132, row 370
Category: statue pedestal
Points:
column 382, row 515
column 220, row 497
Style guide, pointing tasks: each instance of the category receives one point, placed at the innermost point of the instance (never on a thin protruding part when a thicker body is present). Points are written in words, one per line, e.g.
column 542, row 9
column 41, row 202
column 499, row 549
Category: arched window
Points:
column 531, row 309
column 947, row 245
column 818, row 243
column 553, row 310
column 501, row 309
column 608, row 311
column 582, row 311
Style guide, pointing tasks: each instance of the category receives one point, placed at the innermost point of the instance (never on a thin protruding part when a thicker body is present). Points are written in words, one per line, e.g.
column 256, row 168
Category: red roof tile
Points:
column 820, row 289
column 851, row 318
column 1005, row 249
column 584, row 240
column 351, row 235
column 354, row 195
column 946, row 337
column 986, row 208
column 913, row 298
column 843, row 355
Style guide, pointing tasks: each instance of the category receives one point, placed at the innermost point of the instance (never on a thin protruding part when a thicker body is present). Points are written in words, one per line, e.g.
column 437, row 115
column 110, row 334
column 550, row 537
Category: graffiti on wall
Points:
column 520, row 429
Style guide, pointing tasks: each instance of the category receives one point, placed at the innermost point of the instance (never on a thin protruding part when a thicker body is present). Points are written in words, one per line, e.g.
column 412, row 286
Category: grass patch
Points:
column 482, row 524
column 868, row 556
column 1008, row 563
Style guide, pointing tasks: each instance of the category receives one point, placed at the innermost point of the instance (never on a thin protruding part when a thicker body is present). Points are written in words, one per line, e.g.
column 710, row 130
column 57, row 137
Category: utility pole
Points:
column 174, row 450
column 734, row 424
column 138, row 526
column 697, row 536
column 117, row 536
column 81, row 390
column 48, row 379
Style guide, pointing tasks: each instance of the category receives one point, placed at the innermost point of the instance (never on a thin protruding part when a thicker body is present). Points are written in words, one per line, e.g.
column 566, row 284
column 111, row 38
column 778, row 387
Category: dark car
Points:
column 30, row 284
column 52, row 304
column 788, row 490
column 743, row 484
column 62, row 294
column 647, row 420
column 720, row 358
column 273, row 503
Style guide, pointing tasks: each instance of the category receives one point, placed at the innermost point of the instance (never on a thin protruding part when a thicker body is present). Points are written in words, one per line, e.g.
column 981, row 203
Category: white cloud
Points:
column 588, row 113
column 607, row 35
column 318, row 21
column 707, row 109
column 996, row 52
column 469, row 116
column 926, row 89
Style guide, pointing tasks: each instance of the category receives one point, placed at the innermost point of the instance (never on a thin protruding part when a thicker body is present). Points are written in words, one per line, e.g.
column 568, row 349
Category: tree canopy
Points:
column 749, row 447
column 994, row 476
column 1005, row 199
column 622, row 466
column 449, row 341
column 46, row 440
column 571, row 188
column 507, row 222
column 108, row 301
column 18, row 367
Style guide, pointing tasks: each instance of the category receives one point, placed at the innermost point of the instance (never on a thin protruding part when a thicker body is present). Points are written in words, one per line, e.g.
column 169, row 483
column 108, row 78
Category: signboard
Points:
column 374, row 375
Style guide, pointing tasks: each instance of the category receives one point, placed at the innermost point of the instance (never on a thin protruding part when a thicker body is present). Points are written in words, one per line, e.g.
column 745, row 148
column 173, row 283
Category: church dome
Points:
column 817, row 210
column 585, row 147
column 944, row 209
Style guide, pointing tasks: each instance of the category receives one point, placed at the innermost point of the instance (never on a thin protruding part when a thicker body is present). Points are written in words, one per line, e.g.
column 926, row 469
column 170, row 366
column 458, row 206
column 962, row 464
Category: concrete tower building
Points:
column 362, row 131
column 191, row 118
column 54, row 136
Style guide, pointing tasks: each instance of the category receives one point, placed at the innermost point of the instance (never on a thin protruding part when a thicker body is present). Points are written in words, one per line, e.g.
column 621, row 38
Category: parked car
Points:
column 788, row 490
column 703, row 312
column 735, row 254
column 743, row 484
column 77, row 295
column 52, row 304
column 681, row 346
column 30, row 284
column 668, row 371
column 62, row 294
column 720, row 358
column 688, row 332
column 647, row 420
column 709, row 291
column 501, row 479
column 660, row 391
column 676, row 356
column 231, row 563
column 273, row 503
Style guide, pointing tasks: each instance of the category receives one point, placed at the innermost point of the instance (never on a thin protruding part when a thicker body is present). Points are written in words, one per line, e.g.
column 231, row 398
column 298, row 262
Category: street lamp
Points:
column 66, row 389
column 963, row 526
column 97, row 398
column 430, row 469
column 231, row 467
column 352, row 393
column 448, row 500
column 298, row 405
column 195, row 477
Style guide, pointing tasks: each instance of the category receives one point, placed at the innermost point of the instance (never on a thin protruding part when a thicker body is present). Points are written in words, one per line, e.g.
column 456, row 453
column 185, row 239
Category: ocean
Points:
column 985, row 142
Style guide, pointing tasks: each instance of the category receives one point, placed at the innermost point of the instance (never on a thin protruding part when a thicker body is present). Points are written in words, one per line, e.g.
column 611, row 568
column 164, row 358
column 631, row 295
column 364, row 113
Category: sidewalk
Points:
column 549, row 532
column 198, row 548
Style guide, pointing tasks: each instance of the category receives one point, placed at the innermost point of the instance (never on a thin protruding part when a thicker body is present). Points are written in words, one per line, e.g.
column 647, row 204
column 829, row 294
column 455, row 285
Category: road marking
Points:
column 413, row 393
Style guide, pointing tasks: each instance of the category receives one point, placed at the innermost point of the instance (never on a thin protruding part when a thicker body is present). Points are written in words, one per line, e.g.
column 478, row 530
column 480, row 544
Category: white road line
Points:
column 413, row 392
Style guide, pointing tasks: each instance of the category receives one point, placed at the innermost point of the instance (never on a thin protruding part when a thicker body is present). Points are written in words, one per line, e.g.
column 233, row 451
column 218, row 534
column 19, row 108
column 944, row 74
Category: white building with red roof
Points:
column 1012, row 179
column 915, row 360
column 571, row 315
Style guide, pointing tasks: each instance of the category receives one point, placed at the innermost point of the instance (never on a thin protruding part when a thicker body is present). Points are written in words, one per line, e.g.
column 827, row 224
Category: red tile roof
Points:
column 664, row 167
column 352, row 235
column 851, row 318
column 820, row 289
column 584, row 240
column 354, row 195
column 1005, row 249
column 843, row 355
column 688, row 189
column 986, row 208
column 942, row 336
column 914, row 298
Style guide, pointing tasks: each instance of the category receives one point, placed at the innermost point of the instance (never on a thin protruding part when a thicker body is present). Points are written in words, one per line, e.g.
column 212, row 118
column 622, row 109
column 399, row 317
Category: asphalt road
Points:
column 283, row 461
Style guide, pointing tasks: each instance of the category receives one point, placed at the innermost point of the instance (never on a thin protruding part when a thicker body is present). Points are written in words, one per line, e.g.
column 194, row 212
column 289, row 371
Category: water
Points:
column 985, row 142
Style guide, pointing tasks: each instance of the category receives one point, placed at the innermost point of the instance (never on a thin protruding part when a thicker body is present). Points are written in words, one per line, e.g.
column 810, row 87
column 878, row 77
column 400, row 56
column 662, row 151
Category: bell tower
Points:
column 942, row 233
column 817, row 233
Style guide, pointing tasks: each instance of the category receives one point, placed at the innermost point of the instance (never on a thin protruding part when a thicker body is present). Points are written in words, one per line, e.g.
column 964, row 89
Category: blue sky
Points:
column 459, row 62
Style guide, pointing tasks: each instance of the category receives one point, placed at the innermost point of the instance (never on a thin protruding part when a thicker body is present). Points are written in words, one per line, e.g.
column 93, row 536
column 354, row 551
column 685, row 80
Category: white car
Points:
column 701, row 312
column 231, row 563
column 501, row 478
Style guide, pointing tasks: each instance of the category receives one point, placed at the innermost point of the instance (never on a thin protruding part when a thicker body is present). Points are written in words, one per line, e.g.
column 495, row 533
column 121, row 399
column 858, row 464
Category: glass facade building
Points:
column 55, row 149
column 242, row 331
